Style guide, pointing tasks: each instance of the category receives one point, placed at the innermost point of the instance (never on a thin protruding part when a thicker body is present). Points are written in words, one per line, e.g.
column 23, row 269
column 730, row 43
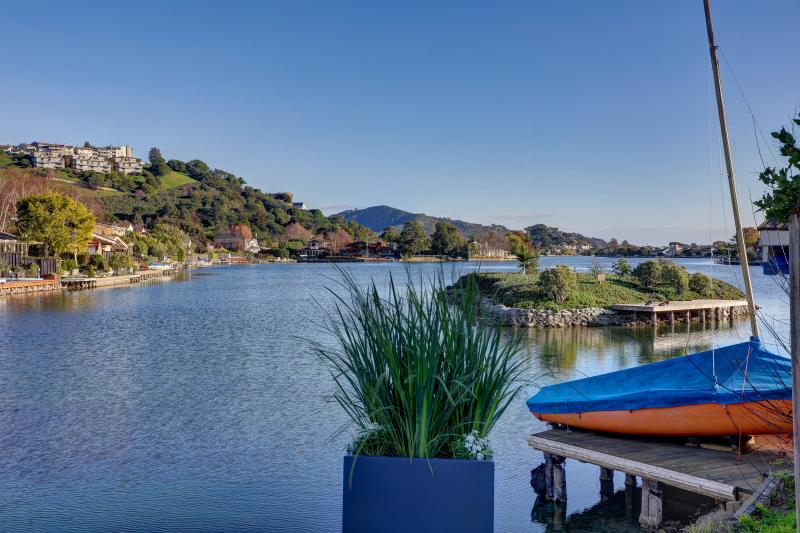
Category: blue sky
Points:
column 590, row 116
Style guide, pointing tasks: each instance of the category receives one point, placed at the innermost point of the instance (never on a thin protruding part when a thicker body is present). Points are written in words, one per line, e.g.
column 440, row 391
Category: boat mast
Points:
column 723, row 126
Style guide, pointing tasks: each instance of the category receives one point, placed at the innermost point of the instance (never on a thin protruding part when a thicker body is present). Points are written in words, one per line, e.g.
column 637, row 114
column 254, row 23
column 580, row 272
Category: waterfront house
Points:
column 12, row 251
column 774, row 243
column 107, row 246
column 315, row 248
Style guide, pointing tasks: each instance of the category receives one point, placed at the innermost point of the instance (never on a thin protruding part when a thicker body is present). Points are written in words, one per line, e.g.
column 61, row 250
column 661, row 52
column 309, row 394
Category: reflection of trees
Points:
column 560, row 351
column 609, row 515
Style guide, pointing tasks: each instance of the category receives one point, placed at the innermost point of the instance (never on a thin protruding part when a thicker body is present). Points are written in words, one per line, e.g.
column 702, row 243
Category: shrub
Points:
column 622, row 268
column 648, row 273
column 68, row 265
column 120, row 261
column 558, row 282
column 414, row 368
column 700, row 283
column 675, row 276
column 33, row 270
column 98, row 262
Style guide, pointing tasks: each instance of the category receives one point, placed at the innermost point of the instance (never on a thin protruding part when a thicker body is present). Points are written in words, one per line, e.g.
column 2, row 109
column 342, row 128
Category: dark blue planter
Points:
column 396, row 494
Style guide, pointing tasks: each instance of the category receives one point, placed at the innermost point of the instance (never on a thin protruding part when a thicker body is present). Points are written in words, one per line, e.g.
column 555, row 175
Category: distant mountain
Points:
column 380, row 217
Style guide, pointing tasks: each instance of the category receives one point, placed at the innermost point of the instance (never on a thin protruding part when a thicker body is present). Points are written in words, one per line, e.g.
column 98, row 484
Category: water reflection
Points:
column 197, row 402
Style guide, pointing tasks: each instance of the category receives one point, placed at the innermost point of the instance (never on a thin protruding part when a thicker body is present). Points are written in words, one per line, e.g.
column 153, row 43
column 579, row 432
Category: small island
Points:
column 560, row 296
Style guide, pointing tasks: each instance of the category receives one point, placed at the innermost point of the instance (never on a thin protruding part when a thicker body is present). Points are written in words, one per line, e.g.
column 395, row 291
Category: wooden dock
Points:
column 714, row 473
column 700, row 310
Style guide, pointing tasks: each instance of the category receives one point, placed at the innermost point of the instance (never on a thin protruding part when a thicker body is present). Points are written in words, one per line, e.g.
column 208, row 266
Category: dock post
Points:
column 703, row 316
column 652, row 504
column 606, row 484
column 630, row 493
column 555, row 477
column 655, row 318
column 688, row 317
column 671, row 318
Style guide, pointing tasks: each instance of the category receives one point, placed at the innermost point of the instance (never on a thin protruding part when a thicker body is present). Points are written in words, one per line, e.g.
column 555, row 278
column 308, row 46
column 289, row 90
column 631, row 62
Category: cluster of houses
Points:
column 106, row 240
column 84, row 158
column 319, row 249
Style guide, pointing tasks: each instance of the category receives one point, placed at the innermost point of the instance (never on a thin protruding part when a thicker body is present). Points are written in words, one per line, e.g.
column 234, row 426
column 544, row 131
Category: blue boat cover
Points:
column 744, row 372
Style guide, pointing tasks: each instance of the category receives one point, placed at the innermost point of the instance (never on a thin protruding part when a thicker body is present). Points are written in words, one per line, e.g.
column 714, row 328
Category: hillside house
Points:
column 48, row 160
column 128, row 165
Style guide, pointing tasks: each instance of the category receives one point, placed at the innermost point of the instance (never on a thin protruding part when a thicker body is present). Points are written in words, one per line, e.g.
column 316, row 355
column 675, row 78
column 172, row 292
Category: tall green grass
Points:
column 415, row 369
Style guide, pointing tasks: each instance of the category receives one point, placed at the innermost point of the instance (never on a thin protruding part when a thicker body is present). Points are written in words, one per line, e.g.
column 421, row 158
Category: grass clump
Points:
column 419, row 374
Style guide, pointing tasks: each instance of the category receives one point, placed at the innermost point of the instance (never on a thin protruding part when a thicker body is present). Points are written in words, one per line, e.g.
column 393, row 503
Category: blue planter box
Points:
column 397, row 494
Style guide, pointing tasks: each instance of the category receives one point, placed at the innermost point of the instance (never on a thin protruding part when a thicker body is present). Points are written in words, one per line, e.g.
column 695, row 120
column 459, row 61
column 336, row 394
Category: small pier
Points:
column 699, row 310
column 714, row 473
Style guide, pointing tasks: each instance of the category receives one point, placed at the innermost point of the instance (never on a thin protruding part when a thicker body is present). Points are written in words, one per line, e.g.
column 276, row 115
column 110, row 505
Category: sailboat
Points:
column 742, row 389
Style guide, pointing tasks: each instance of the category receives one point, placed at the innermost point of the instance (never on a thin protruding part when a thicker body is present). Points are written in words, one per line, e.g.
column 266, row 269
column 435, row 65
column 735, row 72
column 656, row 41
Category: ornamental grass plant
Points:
column 418, row 370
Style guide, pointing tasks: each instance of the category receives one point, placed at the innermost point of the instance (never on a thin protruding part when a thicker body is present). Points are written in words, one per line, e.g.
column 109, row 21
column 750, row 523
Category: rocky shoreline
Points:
column 585, row 317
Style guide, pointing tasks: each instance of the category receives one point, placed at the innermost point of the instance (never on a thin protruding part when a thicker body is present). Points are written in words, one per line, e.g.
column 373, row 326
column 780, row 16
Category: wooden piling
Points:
column 652, row 504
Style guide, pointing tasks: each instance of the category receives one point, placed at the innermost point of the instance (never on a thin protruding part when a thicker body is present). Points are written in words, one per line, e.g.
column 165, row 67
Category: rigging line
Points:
column 756, row 125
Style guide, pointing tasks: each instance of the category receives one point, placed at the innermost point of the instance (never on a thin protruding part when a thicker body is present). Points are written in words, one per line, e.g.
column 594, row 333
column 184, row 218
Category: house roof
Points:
column 4, row 236
column 773, row 225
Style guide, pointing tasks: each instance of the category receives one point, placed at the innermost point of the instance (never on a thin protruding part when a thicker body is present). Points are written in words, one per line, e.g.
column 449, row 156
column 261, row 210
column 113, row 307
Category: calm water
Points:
column 195, row 404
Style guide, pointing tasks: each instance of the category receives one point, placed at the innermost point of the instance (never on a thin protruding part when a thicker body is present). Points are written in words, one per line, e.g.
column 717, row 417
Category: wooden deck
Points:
column 697, row 310
column 714, row 473
column 679, row 307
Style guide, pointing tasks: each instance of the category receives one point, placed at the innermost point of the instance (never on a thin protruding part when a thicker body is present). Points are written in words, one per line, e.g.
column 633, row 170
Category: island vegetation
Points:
column 561, row 287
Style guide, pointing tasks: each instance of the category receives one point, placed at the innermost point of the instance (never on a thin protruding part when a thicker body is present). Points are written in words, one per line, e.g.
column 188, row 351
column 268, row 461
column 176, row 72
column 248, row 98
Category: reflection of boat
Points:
column 737, row 389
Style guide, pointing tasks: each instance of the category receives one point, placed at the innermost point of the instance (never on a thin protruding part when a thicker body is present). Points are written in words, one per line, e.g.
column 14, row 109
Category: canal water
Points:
column 196, row 403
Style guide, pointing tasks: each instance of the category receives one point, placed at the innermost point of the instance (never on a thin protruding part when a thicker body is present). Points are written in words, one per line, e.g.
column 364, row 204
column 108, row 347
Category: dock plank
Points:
column 715, row 473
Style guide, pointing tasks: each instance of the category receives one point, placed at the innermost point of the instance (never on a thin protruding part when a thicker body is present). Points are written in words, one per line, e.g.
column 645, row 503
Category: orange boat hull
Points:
column 703, row 420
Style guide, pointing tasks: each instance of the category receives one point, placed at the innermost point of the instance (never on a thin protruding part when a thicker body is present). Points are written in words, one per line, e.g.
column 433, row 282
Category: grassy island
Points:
column 585, row 290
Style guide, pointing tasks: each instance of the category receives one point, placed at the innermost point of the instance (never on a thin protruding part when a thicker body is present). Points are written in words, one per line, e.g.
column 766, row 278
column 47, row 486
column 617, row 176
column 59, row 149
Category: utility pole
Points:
column 794, row 292
column 723, row 126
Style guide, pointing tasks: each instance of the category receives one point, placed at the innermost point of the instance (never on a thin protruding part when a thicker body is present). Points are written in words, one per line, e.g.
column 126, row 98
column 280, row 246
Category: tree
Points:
column 61, row 223
column 648, row 273
column 96, row 180
column 446, row 239
column 390, row 235
column 621, row 268
column 158, row 165
column 675, row 276
column 413, row 240
column 176, row 165
column 751, row 237
column 700, row 283
column 558, row 282
column 296, row 232
column 198, row 169
column 597, row 268
column 527, row 255
column 338, row 239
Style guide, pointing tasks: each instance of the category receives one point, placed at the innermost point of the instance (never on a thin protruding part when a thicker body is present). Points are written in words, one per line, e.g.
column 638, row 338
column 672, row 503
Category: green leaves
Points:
column 413, row 367
column 784, row 195
column 63, row 224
